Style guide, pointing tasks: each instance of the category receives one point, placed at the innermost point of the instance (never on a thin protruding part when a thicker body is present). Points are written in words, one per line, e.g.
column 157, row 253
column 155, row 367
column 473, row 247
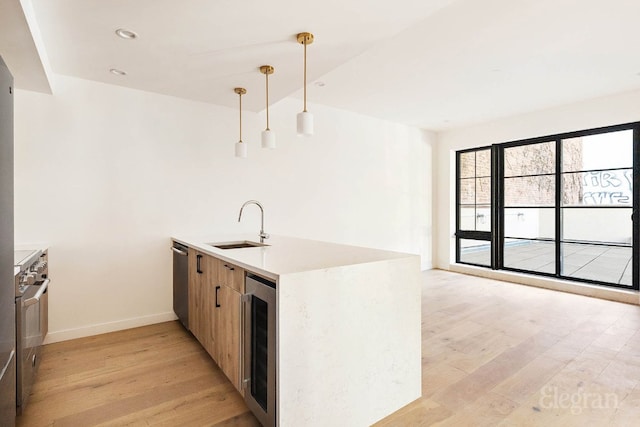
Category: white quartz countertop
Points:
column 287, row 255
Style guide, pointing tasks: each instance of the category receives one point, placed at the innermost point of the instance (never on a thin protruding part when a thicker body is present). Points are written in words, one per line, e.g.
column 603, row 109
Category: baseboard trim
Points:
column 103, row 328
column 611, row 294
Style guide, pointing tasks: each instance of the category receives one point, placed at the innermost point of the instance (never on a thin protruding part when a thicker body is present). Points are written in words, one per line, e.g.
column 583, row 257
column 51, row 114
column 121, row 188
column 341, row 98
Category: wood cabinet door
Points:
column 209, row 277
column 228, row 334
column 215, row 288
column 203, row 272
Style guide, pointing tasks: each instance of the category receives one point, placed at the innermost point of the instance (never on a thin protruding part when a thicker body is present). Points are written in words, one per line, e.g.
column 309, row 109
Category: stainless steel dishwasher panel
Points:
column 181, row 283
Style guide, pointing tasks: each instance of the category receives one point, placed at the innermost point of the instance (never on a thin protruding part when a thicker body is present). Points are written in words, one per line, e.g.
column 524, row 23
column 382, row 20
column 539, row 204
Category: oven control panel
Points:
column 34, row 269
column 39, row 270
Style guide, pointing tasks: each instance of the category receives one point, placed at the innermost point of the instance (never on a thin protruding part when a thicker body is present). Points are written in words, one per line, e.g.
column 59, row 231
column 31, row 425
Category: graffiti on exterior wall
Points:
column 612, row 187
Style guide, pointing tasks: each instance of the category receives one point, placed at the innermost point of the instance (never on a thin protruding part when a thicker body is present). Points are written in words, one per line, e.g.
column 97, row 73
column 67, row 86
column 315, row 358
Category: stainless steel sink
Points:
column 236, row 245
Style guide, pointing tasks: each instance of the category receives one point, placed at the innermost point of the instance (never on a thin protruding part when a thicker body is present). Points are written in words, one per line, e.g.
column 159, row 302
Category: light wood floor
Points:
column 155, row 375
column 494, row 353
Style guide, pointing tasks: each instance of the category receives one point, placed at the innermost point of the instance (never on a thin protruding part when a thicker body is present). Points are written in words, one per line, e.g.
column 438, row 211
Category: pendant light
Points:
column 241, row 147
column 305, row 119
column 268, row 136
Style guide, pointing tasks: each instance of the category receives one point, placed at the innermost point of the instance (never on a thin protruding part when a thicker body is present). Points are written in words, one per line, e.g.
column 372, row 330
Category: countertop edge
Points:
column 225, row 255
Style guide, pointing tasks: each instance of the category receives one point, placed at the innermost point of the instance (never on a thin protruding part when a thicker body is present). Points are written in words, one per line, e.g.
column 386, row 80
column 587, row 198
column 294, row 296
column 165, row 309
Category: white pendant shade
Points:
column 241, row 149
column 305, row 124
column 268, row 139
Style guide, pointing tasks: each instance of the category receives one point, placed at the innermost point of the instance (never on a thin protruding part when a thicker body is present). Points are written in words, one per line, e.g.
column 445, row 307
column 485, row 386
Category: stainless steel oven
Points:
column 32, row 283
column 259, row 361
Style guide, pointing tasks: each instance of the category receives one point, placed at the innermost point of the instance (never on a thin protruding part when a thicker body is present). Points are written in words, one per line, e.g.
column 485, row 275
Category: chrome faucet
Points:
column 263, row 235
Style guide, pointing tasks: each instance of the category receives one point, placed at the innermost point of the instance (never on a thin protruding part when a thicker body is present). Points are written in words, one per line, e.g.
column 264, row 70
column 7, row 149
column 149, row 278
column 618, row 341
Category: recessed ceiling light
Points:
column 319, row 84
column 126, row 34
column 117, row 72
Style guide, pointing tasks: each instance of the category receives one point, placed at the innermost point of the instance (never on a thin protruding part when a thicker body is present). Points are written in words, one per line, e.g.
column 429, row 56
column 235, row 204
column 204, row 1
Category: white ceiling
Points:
column 18, row 48
column 430, row 63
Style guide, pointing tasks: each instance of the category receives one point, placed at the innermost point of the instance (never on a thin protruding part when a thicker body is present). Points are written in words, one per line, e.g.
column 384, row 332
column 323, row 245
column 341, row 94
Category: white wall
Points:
column 105, row 175
column 612, row 110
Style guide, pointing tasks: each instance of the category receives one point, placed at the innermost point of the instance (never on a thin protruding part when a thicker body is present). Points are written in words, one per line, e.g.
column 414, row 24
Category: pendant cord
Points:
column 240, row 95
column 305, row 76
column 267, row 80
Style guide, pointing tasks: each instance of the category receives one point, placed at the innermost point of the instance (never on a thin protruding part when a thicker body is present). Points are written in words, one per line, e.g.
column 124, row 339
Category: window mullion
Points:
column 635, row 281
column 496, row 209
column 558, row 207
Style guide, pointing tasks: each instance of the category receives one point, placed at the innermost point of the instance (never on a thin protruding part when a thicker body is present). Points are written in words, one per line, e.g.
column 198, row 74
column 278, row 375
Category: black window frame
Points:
column 497, row 234
column 474, row 234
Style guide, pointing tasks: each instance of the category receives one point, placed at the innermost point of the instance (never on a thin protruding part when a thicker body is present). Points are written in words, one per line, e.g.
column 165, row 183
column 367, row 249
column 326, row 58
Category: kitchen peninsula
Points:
column 348, row 322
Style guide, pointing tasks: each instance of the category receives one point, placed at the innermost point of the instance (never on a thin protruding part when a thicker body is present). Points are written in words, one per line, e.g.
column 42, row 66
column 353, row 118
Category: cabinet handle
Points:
column 198, row 259
column 178, row 251
column 217, row 289
column 229, row 268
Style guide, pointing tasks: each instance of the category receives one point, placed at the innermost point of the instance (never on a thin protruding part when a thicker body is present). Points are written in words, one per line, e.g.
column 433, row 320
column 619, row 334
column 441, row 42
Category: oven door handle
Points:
column 36, row 298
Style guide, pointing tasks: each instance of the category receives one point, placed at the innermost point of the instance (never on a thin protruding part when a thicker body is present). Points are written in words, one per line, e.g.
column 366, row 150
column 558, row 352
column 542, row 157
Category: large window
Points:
column 474, row 206
column 597, row 204
column 563, row 206
column 529, row 205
